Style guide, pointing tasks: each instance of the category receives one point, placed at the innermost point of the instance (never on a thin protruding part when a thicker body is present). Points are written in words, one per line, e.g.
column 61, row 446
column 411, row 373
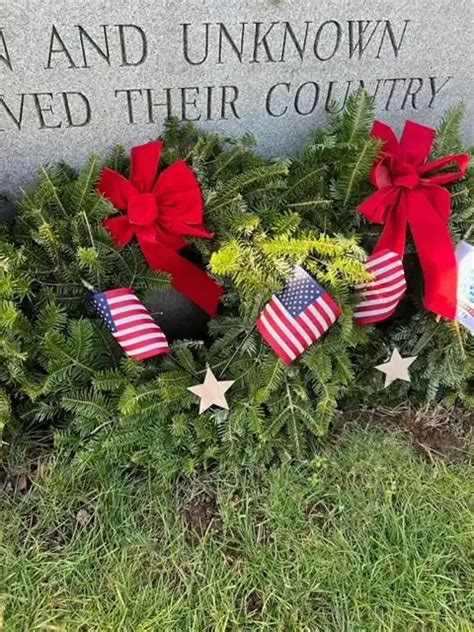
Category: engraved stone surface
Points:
column 78, row 77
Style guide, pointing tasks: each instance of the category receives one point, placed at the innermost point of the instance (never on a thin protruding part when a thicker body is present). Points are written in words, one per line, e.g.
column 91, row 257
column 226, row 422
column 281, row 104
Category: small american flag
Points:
column 130, row 323
column 298, row 316
column 380, row 297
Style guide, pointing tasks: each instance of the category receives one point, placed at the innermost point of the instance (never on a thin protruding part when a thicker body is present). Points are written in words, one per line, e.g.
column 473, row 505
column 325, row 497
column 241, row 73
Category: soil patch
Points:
column 321, row 512
column 435, row 432
column 201, row 514
column 254, row 604
column 442, row 433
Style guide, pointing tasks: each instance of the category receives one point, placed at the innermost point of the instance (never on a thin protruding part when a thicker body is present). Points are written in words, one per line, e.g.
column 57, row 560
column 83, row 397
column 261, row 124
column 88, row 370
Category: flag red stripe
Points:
column 118, row 292
column 125, row 305
column 136, row 350
column 336, row 310
column 290, row 322
column 150, row 353
column 375, row 310
column 379, row 298
column 388, row 291
column 309, row 326
column 290, row 336
column 317, row 318
column 137, row 340
column 274, row 344
column 135, row 330
column 133, row 319
column 361, row 320
column 126, row 310
column 285, row 335
column 316, row 323
column 325, row 311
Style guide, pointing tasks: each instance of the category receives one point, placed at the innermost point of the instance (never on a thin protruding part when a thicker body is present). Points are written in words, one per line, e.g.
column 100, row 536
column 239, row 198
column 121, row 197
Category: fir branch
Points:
column 448, row 135
column 53, row 190
column 357, row 118
column 58, row 367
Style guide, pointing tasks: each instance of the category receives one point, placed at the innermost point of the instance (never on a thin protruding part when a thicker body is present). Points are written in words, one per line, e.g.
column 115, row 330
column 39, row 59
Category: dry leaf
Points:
column 83, row 517
column 22, row 483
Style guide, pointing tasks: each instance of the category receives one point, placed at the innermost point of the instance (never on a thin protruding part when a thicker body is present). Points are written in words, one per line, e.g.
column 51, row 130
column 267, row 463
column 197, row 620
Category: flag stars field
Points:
column 296, row 317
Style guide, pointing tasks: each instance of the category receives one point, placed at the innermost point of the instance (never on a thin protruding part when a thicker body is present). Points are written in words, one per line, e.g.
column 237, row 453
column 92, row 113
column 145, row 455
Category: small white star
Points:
column 211, row 392
column 396, row 368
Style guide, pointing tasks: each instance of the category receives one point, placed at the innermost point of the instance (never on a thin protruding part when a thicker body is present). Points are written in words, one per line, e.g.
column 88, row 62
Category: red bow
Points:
column 408, row 195
column 159, row 212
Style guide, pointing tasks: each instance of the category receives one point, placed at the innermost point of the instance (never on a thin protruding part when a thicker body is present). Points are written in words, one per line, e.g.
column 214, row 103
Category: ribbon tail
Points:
column 198, row 286
column 437, row 256
column 394, row 233
column 187, row 278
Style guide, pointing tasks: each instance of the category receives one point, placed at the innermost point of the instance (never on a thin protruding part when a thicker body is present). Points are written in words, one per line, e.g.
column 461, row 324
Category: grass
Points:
column 368, row 537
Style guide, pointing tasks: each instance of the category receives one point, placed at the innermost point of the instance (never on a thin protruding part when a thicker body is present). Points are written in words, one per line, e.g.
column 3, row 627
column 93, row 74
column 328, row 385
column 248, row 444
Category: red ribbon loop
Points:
column 407, row 195
column 159, row 212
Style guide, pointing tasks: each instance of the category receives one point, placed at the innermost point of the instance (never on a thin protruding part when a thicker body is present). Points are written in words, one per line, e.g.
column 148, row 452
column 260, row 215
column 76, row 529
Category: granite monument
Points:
column 80, row 77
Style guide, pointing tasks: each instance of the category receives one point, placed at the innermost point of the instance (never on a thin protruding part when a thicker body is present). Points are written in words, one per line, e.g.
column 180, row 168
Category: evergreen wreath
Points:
column 60, row 366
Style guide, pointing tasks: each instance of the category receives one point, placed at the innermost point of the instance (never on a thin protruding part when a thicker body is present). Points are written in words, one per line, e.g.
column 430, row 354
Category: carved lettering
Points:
column 261, row 40
column 269, row 104
column 16, row 118
column 365, row 85
column 229, row 101
column 209, row 103
column 238, row 49
column 257, row 42
column 333, row 103
column 130, row 99
column 58, row 47
column 126, row 34
column 359, row 42
column 186, row 101
column 394, row 83
column 400, row 93
column 295, row 58
column 4, row 54
column 77, row 108
column 121, row 44
column 396, row 46
column 86, row 39
column 434, row 90
column 68, row 109
column 334, row 41
column 152, row 105
column 312, row 99
column 43, row 109
column 186, row 46
column 299, row 46
column 415, row 84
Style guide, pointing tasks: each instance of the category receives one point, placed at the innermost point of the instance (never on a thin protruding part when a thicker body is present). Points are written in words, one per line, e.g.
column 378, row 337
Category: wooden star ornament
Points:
column 212, row 392
column 396, row 368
